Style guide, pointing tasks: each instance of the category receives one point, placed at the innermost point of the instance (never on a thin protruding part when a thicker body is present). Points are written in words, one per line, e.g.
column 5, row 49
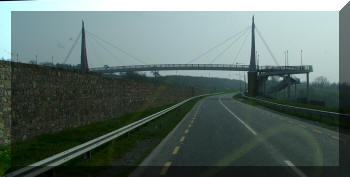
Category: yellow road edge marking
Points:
column 186, row 131
column 182, row 139
column 198, row 108
column 176, row 149
column 165, row 168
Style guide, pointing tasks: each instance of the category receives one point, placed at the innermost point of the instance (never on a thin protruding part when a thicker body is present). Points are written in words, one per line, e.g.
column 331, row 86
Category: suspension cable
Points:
column 240, row 49
column 216, row 46
column 106, row 49
column 223, row 51
column 71, row 49
column 268, row 48
column 116, row 47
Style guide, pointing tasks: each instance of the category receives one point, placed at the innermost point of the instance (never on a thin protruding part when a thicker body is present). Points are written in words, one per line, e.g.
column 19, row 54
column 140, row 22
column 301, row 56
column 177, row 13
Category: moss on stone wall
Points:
column 47, row 100
column 5, row 102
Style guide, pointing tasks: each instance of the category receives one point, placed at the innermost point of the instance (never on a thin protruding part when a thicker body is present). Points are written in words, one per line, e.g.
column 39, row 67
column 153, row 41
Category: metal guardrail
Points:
column 308, row 110
column 65, row 156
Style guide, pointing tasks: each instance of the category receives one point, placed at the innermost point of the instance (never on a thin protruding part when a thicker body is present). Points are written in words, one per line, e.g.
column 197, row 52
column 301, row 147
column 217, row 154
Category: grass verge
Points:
column 310, row 116
column 5, row 159
column 289, row 103
column 30, row 151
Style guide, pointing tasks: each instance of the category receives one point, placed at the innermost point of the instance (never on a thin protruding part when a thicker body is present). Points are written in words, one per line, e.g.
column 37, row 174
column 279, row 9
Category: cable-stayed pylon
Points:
column 84, row 66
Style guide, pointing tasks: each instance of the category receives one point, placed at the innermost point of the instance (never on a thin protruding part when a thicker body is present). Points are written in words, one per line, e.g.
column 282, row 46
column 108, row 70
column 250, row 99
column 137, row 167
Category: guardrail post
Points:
column 52, row 172
column 88, row 155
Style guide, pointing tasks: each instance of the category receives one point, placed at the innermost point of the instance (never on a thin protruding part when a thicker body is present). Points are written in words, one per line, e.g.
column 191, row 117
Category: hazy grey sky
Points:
column 178, row 37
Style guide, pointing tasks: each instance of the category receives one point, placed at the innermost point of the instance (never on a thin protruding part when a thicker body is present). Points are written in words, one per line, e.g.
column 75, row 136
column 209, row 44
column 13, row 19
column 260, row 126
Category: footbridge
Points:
column 257, row 75
column 263, row 70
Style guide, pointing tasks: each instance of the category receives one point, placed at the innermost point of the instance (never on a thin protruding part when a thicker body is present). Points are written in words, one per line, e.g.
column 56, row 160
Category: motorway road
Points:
column 220, row 132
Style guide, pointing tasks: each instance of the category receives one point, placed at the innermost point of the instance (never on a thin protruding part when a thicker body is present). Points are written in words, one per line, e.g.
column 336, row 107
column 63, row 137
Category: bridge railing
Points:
column 225, row 67
column 307, row 68
column 170, row 66
column 261, row 68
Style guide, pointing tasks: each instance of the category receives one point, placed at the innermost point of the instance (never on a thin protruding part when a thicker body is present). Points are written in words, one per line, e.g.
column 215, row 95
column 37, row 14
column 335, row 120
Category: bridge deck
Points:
column 263, row 70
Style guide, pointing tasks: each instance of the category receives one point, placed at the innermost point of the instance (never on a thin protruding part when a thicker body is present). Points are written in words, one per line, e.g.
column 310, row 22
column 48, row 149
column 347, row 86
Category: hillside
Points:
column 186, row 81
column 201, row 82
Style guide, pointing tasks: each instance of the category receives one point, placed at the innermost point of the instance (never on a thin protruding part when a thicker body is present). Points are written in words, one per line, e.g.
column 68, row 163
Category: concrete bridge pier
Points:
column 307, row 87
column 288, row 89
column 262, row 85
column 252, row 73
column 252, row 83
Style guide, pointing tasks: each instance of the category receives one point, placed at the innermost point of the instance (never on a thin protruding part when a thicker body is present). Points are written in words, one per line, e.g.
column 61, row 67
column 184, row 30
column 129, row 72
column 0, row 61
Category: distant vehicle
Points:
column 106, row 66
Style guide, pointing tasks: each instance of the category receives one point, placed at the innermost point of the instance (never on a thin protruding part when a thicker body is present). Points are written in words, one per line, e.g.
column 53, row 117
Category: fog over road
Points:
column 220, row 131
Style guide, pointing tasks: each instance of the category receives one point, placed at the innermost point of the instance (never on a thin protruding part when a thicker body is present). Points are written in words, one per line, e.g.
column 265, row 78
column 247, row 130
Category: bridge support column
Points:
column 288, row 87
column 264, row 86
column 307, row 87
column 83, row 57
column 261, row 85
column 252, row 83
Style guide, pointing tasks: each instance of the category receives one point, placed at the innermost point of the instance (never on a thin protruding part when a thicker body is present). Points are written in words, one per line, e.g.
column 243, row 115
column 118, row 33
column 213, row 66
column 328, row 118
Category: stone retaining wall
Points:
column 47, row 100
column 5, row 102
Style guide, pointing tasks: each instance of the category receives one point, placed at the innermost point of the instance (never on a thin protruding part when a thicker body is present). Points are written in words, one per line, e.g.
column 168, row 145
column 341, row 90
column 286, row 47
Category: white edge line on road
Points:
column 295, row 169
column 234, row 115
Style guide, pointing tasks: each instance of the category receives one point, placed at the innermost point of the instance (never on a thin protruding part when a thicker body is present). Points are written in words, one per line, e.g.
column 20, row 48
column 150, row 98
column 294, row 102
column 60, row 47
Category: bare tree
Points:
column 321, row 82
column 32, row 62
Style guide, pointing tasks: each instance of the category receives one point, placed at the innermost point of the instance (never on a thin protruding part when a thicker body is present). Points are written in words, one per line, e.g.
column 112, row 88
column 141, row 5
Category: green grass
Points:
column 30, row 151
column 300, row 104
column 330, row 95
column 5, row 159
column 319, row 118
column 46, row 145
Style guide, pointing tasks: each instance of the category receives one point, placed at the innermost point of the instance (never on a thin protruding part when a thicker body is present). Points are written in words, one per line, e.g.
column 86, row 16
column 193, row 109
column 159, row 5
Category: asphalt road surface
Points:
column 220, row 134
